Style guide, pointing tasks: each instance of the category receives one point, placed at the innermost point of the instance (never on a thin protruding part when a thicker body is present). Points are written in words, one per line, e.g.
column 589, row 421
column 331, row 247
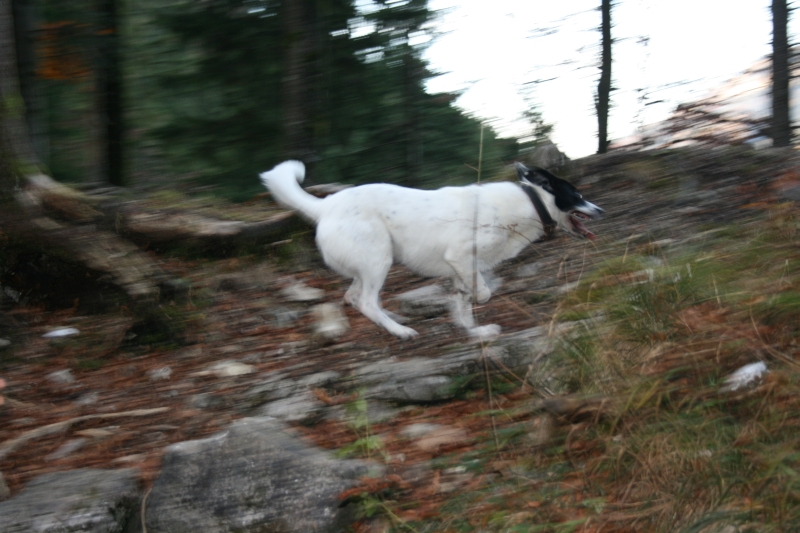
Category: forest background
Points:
column 218, row 91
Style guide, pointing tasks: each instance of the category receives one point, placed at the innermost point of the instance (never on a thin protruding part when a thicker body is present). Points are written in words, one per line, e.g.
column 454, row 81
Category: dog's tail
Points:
column 284, row 181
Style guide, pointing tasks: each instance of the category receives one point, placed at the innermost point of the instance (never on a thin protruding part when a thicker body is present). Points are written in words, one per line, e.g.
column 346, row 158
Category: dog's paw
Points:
column 483, row 295
column 403, row 332
column 400, row 319
column 485, row 333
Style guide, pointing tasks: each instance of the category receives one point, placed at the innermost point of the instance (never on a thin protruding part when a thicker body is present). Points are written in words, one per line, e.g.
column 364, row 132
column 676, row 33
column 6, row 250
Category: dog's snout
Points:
column 593, row 210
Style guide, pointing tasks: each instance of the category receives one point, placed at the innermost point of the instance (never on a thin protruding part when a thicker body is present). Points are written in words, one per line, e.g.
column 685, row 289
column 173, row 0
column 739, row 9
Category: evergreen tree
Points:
column 108, row 88
column 781, row 127
column 233, row 87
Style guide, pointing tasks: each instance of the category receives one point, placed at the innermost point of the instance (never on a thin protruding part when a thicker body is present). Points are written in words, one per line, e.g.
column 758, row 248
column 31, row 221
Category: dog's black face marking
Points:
column 566, row 197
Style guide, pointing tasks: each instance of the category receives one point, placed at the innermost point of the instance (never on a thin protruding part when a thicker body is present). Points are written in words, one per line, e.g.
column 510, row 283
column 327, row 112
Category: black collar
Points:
column 548, row 224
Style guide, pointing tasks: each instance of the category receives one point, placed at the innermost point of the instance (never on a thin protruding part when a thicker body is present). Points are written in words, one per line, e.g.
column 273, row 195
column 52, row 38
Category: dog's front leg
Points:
column 461, row 313
column 464, row 279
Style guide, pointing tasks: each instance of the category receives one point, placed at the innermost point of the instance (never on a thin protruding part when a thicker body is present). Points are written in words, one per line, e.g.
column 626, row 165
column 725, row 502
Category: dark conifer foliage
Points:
column 219, row 90
column 248, row 84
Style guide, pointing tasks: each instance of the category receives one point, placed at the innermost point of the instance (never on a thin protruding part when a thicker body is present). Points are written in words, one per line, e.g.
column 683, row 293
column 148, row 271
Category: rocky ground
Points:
column 247, row 342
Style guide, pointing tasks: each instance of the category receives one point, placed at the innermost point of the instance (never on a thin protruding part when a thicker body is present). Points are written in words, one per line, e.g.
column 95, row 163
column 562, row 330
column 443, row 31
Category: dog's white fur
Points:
column 363, row 230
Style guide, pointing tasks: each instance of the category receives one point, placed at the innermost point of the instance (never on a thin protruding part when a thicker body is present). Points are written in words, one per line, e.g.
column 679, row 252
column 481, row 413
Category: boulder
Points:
column 302, row 407
column 83, row 500
column 421, row 380
column 427, row 301
column 252, row 477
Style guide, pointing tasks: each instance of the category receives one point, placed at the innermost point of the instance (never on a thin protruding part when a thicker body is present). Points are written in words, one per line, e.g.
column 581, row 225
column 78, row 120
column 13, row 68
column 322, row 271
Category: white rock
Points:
column 61, row 377
column 419, row 430
column 744, row 376
column 159, row 374
column 300, row 292
column 225, row 369
column 330, row 321
column 60, row 332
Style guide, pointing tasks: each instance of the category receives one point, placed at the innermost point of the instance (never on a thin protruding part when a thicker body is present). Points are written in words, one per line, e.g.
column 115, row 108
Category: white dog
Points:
column 449, row 232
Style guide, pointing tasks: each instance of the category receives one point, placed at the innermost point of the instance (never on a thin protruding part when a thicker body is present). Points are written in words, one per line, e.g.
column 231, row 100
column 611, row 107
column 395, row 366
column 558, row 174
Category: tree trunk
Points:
column 26, row 194
column 781, row 127
column 109, row 92
column 603, row 101
column 26, row 23
column 296, row 89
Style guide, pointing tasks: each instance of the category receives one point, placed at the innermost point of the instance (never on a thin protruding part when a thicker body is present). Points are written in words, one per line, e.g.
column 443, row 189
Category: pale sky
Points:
column 494, row 49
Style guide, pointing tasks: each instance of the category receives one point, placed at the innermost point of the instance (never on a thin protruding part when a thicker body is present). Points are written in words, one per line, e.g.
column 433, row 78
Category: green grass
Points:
column 670, row 451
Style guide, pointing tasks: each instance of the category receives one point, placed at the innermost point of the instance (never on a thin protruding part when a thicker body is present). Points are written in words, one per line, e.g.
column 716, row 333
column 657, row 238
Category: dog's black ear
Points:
column 534, row 176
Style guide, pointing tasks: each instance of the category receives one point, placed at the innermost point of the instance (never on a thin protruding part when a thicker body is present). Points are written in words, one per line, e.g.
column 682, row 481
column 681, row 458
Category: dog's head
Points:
column 572, row 208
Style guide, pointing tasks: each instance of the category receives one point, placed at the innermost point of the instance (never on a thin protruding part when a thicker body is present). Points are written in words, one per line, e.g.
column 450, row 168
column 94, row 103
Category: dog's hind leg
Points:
column 353, row 293
column 369, row 304
column 362, row 251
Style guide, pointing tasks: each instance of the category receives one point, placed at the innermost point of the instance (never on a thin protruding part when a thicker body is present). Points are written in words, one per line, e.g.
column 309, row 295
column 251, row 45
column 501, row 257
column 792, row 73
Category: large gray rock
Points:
column 301, row 407
column 426, row 301
column 252, row 477
column 547, row 155
column 83, row 500
column 420, row 379
column 4, row 491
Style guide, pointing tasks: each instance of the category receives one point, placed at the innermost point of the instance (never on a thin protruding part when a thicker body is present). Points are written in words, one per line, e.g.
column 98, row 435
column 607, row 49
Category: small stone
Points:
column 231, row 348
column 205, row 400
column 61, row 332
column 90, row 398
column 61, row 377
column 191, row 352
column 283, row 317
column 300, row 292
column 5, row 343
column 745, row 376
column 330, row 321
column 416, row 431
column 159, row 374
column 225, row 369
column 441, row 437
column 11, row 293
